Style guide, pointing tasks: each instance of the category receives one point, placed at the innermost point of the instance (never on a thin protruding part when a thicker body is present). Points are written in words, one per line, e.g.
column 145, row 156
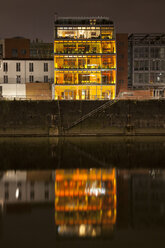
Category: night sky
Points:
column 34, row 18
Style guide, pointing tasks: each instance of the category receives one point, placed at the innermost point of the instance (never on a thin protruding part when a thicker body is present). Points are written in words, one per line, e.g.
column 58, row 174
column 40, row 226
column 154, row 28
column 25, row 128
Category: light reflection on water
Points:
column 85, row 202
column 102, row 205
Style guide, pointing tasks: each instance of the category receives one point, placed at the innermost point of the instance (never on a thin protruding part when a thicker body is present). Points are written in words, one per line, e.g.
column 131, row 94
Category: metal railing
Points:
column 91, row 113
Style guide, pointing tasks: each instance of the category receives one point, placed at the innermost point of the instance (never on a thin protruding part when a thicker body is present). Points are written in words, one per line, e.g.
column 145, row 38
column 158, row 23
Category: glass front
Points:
column 78, row 33
column 73, row 77
column 90, row 32
column 66, row 47
column 92, row 92
column 85, row 62
column 85, row 77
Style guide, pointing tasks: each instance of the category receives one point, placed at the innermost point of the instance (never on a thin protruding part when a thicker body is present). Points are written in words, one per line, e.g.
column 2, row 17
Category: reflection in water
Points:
column 128, row 205
column 18, row 187
column 85, row 202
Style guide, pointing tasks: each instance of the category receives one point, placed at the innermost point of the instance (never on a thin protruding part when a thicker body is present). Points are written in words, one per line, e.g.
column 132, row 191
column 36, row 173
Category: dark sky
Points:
column 34, row 18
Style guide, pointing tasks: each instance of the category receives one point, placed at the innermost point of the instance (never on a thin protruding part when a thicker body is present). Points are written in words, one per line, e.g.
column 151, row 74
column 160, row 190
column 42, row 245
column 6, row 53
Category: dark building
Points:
column 147, row 62
column 15, row 48
column 40, row 49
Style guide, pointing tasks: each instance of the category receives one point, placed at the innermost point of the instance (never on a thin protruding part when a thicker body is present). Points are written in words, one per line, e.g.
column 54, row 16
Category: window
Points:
column 141, row 52
column 141, row 65
column 141, row 78
column 23, row 51
column 5, row 79
column 18, row 66
column 5, row 67
column 31, row 78
column 31, row 67
column 121, row 81
column 45, row 79
column 14, row 53
column 18, row 79
column 45, row 66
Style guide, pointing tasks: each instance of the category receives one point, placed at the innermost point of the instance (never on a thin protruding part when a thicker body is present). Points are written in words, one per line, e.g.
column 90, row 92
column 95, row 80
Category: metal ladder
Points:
column 84, row 117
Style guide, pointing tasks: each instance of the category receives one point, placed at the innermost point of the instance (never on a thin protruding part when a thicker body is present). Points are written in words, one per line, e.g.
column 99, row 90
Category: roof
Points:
column 83, row 20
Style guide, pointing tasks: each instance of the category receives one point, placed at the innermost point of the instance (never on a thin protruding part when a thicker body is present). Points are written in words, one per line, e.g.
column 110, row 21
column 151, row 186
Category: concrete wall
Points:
column 39, row 91
column 11, row 91
column 53, row 118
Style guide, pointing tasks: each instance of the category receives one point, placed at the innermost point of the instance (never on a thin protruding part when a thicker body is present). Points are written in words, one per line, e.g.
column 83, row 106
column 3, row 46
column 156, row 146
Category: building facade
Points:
column 15, row 74
column 26, row 187
column 26, row 69
column 147, row 62
column 84, row 58
column 15, row 48
column 40, row 49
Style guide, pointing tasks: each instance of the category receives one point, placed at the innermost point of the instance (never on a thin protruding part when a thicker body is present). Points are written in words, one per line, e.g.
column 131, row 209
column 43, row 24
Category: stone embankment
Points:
column 80, row 118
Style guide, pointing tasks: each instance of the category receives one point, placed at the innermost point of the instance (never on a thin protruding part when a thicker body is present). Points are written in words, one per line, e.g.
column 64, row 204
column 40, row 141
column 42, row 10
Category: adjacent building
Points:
column 23, row 76
column 41, row 50
column 84, row 58
column 147, row 63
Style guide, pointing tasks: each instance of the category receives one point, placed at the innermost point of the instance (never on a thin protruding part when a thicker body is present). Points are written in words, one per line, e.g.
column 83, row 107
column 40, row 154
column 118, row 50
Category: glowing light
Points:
column 17, row 193
column 82, row 230
column 95, row 191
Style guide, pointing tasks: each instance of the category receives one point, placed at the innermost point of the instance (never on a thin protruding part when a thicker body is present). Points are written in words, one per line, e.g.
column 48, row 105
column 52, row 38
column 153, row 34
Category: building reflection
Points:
column 141, row 198
column 24, row 187
column 85, row 202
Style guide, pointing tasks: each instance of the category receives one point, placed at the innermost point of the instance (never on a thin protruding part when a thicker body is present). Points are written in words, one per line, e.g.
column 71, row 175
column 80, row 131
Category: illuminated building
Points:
column 85, row 201
column 84, row 58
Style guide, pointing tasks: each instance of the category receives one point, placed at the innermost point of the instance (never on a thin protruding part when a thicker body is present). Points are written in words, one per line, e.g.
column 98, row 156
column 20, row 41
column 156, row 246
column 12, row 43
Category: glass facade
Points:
column 147, row 57
column 84, row 61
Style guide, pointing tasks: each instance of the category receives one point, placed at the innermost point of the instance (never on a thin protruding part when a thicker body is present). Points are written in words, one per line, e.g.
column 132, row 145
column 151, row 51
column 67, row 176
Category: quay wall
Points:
column 56, row 118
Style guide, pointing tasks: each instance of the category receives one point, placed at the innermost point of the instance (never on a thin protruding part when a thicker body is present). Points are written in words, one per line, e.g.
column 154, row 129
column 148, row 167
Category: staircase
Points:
column 91, row 113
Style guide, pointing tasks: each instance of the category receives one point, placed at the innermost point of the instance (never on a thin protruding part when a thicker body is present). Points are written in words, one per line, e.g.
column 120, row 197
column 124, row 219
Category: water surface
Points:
column 93, row 192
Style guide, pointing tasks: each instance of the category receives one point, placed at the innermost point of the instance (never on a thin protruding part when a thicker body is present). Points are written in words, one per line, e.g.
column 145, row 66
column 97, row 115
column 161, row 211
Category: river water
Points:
column 82, row 192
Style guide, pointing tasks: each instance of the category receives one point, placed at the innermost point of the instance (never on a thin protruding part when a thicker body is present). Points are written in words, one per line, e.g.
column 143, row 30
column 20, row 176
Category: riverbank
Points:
column 82, row 118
